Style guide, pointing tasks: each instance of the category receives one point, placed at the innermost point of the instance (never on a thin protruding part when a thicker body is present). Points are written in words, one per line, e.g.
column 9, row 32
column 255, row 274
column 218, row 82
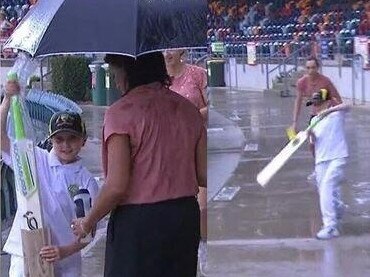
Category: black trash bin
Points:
column 216, row 73
column 98, row 91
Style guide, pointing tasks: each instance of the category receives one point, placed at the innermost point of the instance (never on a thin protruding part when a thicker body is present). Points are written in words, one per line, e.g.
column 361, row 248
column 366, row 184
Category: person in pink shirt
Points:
column 310, row 83
column 190, row 81
column 307, row 85
column 154, row 158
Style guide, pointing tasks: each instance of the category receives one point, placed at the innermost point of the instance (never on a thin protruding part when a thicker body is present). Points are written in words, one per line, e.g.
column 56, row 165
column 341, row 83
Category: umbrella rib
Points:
column 136, row 7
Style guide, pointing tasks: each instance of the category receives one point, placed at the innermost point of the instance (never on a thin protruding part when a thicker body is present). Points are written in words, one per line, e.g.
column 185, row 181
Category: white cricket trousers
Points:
column 329, row 175
column 16, row 266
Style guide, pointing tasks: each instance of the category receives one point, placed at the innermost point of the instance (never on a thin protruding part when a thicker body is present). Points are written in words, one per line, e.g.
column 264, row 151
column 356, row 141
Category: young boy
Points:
column 331, row 153
column 60, row 172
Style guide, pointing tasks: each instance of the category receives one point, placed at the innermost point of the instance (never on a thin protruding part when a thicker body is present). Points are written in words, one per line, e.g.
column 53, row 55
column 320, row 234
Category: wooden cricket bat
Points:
column 34, row 235
column 265, row 175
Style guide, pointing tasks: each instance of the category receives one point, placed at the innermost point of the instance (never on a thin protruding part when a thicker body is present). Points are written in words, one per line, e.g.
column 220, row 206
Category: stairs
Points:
column 278, row 85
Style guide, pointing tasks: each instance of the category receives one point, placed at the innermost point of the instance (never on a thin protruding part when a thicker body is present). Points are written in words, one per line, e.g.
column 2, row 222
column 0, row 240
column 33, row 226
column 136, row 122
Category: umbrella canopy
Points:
column 129, row 27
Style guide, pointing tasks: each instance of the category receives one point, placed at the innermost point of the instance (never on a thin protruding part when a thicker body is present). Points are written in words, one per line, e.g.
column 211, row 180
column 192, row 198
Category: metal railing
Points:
column 197, row 56
column 292, row 59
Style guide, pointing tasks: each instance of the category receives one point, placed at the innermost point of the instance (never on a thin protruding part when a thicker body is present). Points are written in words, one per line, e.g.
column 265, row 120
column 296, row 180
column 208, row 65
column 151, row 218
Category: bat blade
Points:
column 25, row 176
column 25, row 171
column 28, row 194
column 264, row 177
column 280, row 159
column 24, row 167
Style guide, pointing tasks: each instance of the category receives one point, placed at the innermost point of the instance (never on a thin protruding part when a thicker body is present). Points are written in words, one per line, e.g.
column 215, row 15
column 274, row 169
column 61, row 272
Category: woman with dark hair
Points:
column 190, row 81
column 154, row 158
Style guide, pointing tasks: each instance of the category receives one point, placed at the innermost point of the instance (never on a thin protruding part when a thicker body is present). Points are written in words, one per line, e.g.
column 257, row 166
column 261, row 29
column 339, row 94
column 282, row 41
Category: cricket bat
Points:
column 34, row 235
column 265, row 175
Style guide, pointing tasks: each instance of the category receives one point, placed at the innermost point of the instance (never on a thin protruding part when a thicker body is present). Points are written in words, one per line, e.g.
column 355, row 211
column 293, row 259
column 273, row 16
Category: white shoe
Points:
column 312, row 176
column 202, row 256
column 328, row 233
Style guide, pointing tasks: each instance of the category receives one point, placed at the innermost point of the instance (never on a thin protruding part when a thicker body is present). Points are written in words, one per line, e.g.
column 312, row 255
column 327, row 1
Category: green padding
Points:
column 17, row 118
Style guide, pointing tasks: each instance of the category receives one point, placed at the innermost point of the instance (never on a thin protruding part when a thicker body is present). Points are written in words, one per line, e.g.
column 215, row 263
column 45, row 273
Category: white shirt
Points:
column 330, row 140
column 57, row 205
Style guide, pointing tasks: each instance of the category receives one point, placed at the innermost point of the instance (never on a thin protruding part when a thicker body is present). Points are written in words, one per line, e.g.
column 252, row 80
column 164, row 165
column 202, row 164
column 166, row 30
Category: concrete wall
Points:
column 251, row 77
column 349, row 84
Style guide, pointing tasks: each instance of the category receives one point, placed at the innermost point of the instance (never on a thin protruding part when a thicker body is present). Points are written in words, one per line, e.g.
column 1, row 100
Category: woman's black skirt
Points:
column 153, row 240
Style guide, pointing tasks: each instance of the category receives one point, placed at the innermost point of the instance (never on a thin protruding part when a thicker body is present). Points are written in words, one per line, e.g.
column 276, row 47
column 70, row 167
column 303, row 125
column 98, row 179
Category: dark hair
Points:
column 145, row 69
column 315, row 59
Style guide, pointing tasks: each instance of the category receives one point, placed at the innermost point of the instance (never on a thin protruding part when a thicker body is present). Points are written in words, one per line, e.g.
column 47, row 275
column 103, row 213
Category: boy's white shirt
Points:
column 330, row 139
column 58, row 207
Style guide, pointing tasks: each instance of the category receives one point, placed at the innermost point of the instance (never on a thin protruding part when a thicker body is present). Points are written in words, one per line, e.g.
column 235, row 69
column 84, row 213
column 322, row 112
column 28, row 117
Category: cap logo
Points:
column 64, row 120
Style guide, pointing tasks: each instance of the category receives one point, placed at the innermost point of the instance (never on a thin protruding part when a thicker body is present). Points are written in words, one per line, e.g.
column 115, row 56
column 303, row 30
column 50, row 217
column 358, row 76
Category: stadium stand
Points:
column 284, row 25
column 11, row 13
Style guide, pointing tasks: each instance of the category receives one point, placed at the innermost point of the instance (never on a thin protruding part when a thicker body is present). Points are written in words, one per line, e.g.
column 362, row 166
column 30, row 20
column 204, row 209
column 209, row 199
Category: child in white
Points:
column 331, row 153
column 60, row 172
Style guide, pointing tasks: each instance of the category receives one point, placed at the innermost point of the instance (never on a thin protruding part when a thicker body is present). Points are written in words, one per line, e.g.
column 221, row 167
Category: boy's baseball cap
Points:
column 321, row 96
column 67, row 121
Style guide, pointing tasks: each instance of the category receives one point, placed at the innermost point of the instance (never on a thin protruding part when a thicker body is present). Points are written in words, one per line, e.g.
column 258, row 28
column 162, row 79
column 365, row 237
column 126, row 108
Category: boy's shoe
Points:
column 328, row 233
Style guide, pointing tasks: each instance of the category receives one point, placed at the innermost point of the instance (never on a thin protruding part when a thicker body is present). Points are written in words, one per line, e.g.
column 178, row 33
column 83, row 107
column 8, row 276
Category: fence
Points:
column 196, row 56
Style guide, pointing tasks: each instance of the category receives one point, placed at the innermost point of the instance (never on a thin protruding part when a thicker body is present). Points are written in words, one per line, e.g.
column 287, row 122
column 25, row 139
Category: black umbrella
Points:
column 130, row 27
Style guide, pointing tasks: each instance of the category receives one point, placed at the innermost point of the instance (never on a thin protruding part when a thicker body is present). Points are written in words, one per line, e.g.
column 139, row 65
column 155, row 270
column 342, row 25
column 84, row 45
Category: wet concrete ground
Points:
column 224, row 141
column 341, row 257
column 268, row 231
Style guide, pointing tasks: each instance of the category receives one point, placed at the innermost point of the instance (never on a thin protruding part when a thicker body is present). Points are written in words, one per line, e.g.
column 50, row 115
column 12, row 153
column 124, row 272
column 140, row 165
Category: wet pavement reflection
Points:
column 292, row 257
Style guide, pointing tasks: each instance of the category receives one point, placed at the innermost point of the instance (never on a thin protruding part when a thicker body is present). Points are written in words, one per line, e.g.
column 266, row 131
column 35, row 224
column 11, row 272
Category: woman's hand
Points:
column 53, row 253
column 80, row 228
